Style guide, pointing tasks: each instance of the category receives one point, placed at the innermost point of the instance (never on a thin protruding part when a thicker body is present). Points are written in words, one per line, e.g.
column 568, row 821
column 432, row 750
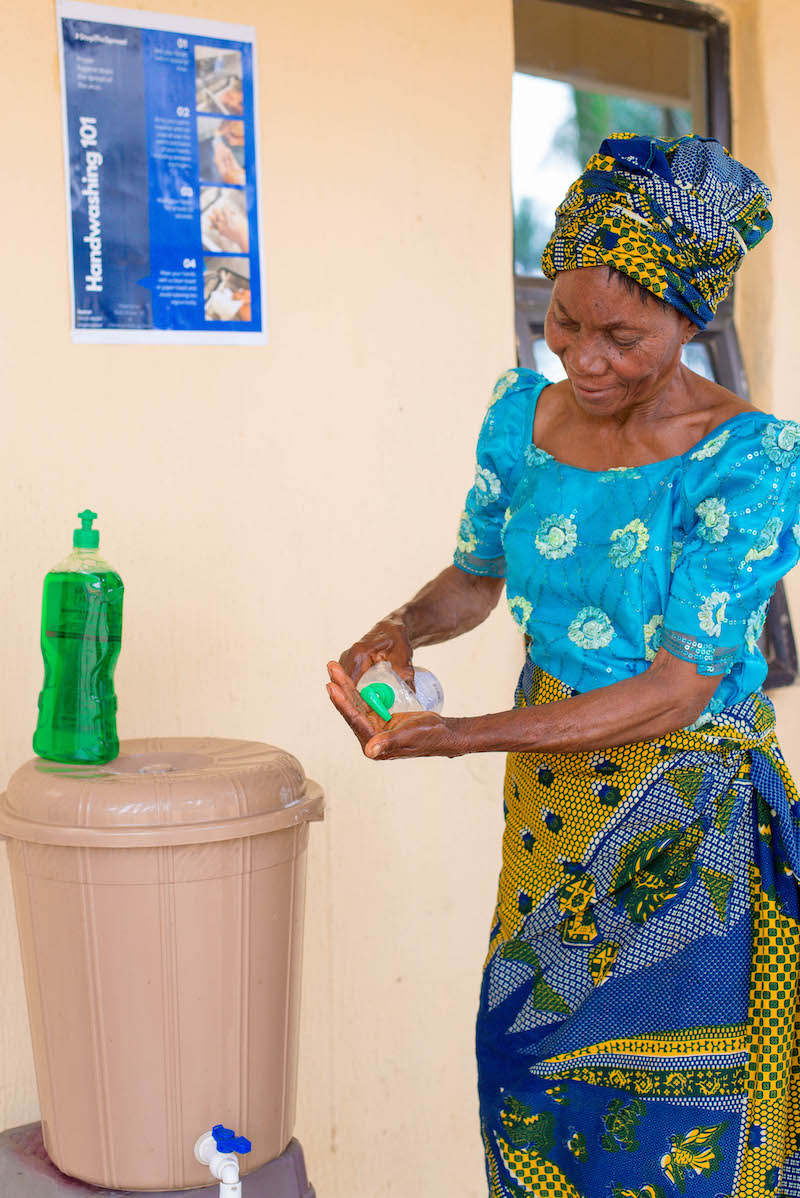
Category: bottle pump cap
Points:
column 86, row 537
column 380, row 697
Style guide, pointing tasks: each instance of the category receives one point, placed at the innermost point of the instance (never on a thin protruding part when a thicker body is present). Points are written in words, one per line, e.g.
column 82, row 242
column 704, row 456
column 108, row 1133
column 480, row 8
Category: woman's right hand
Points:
column 387, row 641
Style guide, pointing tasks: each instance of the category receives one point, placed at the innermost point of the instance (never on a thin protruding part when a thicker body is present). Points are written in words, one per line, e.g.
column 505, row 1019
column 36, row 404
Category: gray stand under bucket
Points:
column 26, row 1171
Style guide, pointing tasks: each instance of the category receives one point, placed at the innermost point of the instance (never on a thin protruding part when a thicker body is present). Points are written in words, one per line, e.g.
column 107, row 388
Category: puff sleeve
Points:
column 739, row 499
column 499, row 456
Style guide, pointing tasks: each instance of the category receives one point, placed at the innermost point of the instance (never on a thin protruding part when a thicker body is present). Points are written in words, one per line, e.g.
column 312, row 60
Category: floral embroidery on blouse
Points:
column 535, row 456
column 487, row 486
column 754, row 626
column 781, row 442
column 711, row 615
column 630, row 543
column 521, row 610
column 716, row 520
column 711, row 448
column 608, row 476
column 766, row 541
column 652, row 636
column 586, row 620
column 591, row 629
column 502, row 385
column 557, row 537
column 466, row 539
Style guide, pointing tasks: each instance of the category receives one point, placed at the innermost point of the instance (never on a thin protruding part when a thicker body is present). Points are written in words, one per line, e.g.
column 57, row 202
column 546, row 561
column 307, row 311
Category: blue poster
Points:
column 161, row 150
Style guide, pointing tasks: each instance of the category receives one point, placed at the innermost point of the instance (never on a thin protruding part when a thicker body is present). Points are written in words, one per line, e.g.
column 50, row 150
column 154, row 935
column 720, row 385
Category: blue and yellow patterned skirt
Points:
column 637, row 1033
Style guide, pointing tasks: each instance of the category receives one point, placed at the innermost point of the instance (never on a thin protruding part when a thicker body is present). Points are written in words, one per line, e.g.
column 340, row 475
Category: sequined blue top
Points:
column 602, row 567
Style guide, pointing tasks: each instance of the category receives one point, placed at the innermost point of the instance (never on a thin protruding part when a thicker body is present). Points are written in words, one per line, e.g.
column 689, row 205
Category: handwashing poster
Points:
column 161, row 149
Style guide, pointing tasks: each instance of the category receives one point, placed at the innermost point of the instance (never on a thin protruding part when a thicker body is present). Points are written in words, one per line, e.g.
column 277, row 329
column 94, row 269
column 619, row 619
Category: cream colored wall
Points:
column 233, row 487
column 265, row 505
column 766, row 92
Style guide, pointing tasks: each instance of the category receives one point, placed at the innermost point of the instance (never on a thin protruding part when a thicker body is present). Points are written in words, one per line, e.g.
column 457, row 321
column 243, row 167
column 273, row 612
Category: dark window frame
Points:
column 532, row 295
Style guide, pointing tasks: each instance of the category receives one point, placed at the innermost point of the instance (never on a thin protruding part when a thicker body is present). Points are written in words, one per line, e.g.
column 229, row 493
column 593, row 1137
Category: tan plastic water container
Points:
column 160, row 907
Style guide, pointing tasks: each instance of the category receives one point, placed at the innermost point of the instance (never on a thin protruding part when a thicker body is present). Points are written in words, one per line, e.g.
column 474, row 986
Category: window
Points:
column 584, row 69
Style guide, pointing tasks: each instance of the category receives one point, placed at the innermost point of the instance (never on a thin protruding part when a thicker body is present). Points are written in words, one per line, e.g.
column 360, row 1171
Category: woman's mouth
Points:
column 593, row 390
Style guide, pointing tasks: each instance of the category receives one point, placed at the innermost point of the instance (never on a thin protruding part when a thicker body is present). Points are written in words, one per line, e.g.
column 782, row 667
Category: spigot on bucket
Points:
column 217, row 1149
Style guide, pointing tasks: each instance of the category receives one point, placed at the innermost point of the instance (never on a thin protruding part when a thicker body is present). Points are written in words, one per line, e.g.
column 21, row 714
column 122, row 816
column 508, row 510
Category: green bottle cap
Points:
column 380, row 697
column 86, row 537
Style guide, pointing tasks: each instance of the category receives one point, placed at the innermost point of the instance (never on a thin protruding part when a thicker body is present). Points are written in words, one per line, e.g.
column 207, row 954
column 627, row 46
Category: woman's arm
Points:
column 450, row 604
column 667, row 696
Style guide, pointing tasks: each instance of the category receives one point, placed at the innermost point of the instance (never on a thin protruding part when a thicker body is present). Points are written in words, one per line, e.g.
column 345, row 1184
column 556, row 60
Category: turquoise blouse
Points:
column 602, row 567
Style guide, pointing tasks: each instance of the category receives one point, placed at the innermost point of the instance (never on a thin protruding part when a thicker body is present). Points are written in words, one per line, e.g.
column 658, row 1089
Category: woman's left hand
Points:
column 408, row 734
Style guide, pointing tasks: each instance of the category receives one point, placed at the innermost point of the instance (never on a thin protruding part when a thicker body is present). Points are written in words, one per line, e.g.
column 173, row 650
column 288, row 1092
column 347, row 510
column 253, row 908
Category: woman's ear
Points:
column 689, row 329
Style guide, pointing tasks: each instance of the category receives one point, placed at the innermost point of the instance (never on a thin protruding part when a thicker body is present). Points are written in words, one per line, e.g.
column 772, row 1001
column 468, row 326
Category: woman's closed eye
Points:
column 623, row 344
column 565, row 322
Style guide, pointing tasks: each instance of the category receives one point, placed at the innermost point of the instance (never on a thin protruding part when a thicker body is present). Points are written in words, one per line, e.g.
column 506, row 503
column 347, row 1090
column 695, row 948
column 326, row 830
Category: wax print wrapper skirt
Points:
column 637, row 1033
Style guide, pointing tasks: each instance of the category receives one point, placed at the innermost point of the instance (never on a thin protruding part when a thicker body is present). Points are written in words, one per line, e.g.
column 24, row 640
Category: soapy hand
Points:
column 408, row 734
column 225, row 160
column 232, row 224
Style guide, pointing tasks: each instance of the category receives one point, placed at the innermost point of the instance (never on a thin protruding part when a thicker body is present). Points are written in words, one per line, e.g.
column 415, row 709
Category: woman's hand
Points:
column 408, row 734
column 387, row 641
column 451, row 603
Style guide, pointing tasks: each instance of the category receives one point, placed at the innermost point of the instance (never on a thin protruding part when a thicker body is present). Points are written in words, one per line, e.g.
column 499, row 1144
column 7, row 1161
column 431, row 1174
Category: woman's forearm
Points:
column 668, row 696
column 450, row 604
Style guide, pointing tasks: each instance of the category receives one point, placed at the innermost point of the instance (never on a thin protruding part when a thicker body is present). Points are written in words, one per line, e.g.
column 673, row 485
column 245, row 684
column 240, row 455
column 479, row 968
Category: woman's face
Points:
column 617, row 351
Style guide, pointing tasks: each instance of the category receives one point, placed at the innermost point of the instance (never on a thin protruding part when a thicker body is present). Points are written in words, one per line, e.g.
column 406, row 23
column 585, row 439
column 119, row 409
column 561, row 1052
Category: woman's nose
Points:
column 586, row 358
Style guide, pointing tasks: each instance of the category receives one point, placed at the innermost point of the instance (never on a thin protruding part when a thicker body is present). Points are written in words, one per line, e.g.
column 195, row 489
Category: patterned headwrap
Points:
column 677, row 215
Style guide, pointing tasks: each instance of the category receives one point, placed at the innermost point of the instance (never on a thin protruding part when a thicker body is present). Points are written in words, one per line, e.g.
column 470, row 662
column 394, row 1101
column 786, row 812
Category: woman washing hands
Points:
column 454, row 603
column 637, row 980
column 427, row 620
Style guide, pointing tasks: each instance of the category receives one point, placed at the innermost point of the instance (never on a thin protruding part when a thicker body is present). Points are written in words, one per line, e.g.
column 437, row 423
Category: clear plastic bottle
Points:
column 387, row 694
column 81, row 640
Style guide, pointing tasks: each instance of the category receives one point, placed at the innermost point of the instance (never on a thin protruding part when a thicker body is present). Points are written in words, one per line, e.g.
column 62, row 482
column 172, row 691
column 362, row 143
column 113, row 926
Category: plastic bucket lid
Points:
column 161, row 792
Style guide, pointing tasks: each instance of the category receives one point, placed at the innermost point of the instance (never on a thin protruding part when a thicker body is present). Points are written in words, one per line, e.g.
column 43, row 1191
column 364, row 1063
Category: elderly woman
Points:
column 636, row 1033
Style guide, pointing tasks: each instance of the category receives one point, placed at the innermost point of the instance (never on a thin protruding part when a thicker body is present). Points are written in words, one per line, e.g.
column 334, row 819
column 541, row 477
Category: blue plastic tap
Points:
column 228, row 1141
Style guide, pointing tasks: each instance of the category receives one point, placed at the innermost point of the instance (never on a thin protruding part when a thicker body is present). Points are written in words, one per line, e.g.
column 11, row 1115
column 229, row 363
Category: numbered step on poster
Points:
column 162, row 174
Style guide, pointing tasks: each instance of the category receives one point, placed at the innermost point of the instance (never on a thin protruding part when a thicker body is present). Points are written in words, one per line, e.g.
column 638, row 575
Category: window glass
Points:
column 695, row 355
column 555, row 129
column 546, row 362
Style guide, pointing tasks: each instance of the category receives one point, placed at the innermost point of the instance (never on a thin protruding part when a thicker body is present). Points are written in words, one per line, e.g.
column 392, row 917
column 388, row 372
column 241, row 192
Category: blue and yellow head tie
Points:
column 677, row 215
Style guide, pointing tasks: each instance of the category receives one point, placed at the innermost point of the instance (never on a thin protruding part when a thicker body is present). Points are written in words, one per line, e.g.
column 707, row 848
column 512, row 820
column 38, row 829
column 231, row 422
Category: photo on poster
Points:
column 221, row 150
column 218, row 80
column 223, row 223
column 162, row 182
column 226, row 289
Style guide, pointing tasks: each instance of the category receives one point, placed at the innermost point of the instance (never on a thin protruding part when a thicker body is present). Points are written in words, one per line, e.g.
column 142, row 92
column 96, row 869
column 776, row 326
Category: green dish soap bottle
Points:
column 81, row 640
